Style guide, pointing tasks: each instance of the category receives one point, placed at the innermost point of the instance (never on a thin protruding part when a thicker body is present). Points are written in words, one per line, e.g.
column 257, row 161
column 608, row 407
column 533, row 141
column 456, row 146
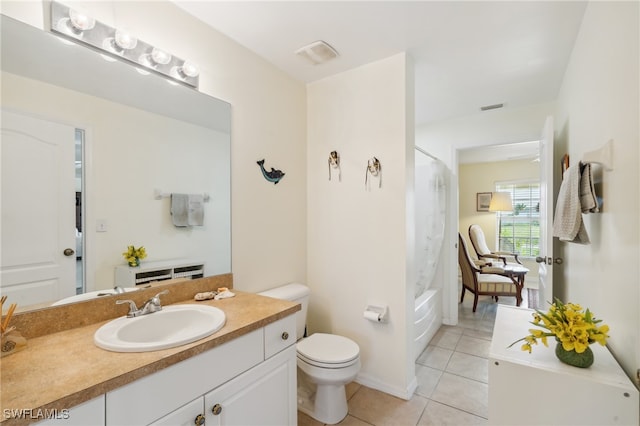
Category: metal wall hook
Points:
column 374, row 167
column 334, row 162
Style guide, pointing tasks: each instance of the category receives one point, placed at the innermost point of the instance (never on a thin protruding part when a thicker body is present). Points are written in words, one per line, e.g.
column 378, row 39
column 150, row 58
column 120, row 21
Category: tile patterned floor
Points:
column 452, row 377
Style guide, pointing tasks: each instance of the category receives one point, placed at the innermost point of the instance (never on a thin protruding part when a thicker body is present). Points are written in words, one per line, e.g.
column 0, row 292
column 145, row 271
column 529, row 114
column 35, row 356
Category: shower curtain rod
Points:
column 426, row 153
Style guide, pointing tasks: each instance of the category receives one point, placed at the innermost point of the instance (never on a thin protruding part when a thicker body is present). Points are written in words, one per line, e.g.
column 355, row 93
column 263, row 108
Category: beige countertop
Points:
column 65, row 368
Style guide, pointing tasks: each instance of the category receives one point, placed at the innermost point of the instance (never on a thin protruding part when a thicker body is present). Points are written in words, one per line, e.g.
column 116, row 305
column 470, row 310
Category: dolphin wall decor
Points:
column 273, row 175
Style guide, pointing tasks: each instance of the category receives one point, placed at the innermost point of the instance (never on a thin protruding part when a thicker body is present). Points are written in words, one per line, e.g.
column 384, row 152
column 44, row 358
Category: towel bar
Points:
column 602, row 156
column 159, row 195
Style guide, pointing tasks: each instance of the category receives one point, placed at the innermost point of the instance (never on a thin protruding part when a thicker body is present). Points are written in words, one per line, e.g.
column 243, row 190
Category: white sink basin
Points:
column 172, row 326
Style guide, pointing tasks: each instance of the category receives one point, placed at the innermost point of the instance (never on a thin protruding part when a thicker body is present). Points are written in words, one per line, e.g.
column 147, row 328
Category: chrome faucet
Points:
column 150, row 306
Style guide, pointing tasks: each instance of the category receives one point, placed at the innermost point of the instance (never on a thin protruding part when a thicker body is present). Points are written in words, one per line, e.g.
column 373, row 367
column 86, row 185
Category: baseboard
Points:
column 370, row 382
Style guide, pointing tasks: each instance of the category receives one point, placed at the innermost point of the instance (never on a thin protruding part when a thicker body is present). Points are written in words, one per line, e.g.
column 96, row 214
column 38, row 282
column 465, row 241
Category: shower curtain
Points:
column 430, row 203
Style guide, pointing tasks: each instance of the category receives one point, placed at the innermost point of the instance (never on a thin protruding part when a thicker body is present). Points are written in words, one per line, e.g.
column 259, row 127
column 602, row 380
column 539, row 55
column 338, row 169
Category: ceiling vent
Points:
column 317, row 52
column 490, row 107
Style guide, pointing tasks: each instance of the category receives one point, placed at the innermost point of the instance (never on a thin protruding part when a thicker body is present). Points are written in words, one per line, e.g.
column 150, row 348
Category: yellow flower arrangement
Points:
column 133, row 255
column 572, row 327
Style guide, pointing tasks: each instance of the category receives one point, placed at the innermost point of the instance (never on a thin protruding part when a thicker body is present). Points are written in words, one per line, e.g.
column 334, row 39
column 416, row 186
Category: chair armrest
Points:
column 508, row 253
column 495, row 256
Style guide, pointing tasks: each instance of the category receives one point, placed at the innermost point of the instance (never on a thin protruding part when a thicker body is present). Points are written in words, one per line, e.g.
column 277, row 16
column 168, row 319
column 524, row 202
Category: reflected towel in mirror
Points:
column 195, row 215
column 180, row 209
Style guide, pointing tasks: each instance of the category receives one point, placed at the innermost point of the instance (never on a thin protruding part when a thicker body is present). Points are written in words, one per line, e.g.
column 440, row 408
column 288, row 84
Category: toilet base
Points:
column 329, row 405
column 325, row 403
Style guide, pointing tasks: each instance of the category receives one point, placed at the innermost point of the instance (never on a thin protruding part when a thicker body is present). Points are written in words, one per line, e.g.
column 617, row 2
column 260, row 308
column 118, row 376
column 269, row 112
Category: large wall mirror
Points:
column 130, row 136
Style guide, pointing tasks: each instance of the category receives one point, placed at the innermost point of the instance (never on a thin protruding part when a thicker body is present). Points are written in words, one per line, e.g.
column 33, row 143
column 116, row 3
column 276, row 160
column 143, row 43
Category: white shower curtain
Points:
column 430, row 204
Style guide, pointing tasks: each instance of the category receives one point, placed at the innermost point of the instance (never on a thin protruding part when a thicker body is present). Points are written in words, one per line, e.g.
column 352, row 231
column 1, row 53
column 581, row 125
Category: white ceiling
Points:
column 466, row 53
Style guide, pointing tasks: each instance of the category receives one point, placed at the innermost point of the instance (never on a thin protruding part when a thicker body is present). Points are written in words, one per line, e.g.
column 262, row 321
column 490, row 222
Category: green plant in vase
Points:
column 133, row 255
column 573, row 328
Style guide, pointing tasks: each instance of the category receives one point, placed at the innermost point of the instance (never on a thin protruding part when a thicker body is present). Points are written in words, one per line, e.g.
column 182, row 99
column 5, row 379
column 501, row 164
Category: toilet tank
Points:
column 293, row 292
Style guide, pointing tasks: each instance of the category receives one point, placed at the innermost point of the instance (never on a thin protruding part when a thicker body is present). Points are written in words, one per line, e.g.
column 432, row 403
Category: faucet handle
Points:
column 161, row 293
column 133, row 309
column 156, row 299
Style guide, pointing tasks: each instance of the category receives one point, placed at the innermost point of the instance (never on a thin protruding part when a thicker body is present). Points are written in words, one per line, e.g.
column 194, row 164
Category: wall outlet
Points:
column 101, row 225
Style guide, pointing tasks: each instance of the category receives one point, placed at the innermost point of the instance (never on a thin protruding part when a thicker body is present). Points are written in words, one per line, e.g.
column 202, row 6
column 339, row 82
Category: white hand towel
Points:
column 180, row 209
column 567, row 222
column 196, row 210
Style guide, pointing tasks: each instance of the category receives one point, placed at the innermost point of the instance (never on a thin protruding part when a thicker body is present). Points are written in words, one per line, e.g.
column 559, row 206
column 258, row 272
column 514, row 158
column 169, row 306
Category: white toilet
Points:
column 326, row 363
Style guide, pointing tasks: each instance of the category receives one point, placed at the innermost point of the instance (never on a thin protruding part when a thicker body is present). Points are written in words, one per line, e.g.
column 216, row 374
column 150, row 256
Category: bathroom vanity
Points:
column 243, row 374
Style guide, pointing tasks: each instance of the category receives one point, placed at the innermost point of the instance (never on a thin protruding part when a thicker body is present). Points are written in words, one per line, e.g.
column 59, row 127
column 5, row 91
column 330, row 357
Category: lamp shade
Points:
column 501, row 202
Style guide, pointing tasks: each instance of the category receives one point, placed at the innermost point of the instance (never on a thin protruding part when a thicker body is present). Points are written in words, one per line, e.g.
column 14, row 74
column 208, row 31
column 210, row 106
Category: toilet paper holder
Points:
column 376, row 313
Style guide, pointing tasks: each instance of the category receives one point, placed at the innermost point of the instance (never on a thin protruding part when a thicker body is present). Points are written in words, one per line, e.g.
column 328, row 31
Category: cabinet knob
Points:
column 199, row 420
column 217, row 409
column 285, row 335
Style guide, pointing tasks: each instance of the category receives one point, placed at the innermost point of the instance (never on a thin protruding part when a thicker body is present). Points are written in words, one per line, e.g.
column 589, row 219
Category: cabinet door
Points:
column 264, row 395
column 90, row 413
column 188, row 415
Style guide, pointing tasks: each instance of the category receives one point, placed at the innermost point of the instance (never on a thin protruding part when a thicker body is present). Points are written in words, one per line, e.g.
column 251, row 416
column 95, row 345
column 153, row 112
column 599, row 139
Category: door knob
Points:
column 285, row 336
column 68, row 252
column 549, row 260
column 199, row 420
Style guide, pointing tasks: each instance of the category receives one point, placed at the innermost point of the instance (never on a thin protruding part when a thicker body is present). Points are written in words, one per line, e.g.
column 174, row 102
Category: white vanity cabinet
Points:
column 89, row 413
column 248, row 387
column 537, row 389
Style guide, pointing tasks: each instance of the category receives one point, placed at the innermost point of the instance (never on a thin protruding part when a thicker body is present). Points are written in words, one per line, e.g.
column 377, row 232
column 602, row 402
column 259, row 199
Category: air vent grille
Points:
column 490, row 107
column 317, row 52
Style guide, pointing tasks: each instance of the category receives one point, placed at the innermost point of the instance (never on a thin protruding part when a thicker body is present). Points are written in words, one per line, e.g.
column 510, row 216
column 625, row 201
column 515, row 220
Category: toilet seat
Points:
column 328, row 351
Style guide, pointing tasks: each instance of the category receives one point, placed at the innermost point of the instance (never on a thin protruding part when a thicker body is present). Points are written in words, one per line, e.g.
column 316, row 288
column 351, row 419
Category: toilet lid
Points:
column 328, row 348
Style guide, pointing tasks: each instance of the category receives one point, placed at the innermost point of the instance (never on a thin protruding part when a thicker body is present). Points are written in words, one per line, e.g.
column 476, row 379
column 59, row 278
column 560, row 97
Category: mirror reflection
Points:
column 87, row 146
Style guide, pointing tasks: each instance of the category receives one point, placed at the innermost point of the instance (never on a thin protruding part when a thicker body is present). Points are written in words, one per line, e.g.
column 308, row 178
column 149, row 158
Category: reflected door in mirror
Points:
column 38, row 203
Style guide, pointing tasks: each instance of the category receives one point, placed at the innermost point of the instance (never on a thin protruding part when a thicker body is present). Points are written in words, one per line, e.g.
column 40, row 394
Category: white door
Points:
column 545, row 260
column 38, row 210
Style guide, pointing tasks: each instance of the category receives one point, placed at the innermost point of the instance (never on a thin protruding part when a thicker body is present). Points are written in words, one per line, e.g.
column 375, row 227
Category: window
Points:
column 519, row 231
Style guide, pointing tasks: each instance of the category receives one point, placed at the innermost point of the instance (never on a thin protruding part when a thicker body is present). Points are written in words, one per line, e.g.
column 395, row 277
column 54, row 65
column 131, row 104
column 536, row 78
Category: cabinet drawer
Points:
column 156, row 395
column 279, row 335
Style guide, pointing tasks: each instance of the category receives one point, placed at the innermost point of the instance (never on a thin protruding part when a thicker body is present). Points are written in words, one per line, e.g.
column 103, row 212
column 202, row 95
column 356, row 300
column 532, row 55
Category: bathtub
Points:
column 427, row 319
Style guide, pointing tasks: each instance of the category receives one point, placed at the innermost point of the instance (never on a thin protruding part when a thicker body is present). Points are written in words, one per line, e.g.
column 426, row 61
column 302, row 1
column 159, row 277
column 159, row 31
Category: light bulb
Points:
column 124, row 40
column 160, row 57
column 189, row 69
column 80, row 21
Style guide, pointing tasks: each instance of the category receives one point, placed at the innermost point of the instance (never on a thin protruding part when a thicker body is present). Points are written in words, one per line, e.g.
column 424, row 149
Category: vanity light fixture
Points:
column 73, row 25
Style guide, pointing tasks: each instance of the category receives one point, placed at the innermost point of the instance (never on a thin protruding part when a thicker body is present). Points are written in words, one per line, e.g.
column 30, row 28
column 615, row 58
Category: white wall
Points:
column 358, row 252
column 599, row 101
column 268, row 121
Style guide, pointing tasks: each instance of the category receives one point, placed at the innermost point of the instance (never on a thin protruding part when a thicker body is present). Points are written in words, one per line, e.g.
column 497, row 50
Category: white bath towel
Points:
column 567, row 222
column 195, row 216
column 180, row 209
column 588, row 198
